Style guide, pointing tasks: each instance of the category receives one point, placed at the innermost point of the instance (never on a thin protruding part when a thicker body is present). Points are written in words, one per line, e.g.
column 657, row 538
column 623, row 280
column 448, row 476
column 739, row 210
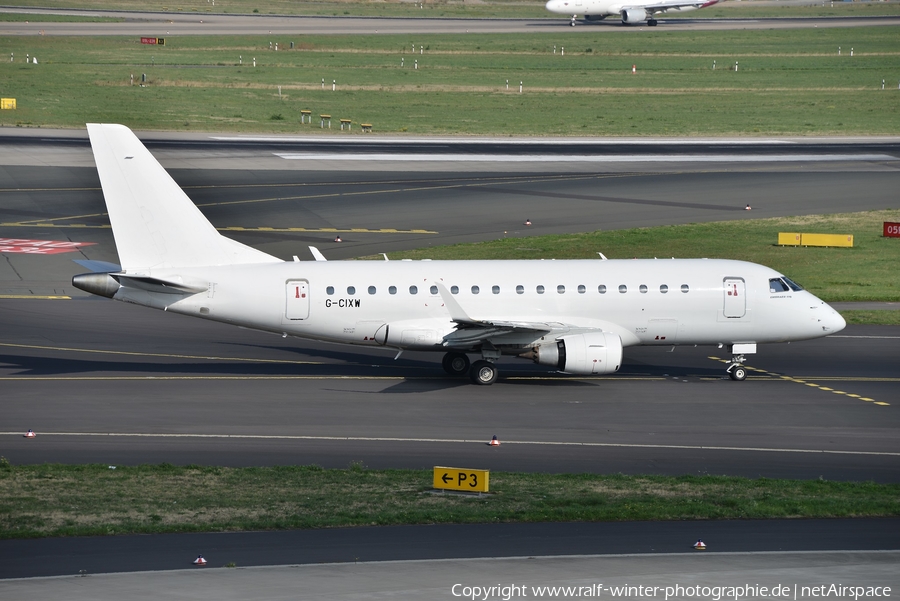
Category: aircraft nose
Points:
column 832, row 322
column 554, row 5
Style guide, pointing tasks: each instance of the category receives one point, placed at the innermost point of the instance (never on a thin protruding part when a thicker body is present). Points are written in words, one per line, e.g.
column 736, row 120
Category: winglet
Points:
column 457, row 313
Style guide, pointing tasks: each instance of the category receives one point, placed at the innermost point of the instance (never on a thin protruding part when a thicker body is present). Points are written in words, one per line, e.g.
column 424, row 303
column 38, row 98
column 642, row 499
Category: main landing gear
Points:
column 481, row 372
column 455, row 364
column 651, row 22
column 573, row 20
column 737, row 371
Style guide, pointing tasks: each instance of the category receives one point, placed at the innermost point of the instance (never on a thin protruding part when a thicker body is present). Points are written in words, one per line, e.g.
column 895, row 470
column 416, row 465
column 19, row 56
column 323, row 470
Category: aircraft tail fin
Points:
column 154, row 223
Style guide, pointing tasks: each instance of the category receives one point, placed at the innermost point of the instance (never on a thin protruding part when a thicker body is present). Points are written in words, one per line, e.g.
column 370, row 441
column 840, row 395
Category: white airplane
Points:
column 636, row 11
column 572, row 316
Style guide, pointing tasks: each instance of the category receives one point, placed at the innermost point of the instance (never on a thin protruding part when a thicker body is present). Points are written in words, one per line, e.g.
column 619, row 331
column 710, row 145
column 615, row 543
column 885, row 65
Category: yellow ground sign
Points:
column 454, row 478
column 826, row 240
column 794, row 239
column 788, row 239
column 7, row 103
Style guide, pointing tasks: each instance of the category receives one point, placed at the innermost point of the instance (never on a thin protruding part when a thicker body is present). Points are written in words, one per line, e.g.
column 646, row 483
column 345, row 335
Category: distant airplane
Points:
column 572, row 316
column 636, row 11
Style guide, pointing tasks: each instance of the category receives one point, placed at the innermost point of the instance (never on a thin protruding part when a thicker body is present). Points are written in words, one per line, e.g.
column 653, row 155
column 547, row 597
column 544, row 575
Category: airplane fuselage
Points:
column 398, row 303
column 636, row 11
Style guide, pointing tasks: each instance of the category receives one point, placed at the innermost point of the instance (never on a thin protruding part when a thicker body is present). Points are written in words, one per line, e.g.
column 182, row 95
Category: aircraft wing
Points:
column 471, row 331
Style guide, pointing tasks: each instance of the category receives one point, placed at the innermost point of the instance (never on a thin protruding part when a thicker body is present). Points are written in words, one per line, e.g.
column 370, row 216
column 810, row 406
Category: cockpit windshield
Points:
column 783, row 284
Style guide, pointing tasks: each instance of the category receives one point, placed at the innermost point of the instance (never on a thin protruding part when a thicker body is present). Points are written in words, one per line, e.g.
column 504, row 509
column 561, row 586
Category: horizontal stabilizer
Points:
column 154, row 223
column 157, row 285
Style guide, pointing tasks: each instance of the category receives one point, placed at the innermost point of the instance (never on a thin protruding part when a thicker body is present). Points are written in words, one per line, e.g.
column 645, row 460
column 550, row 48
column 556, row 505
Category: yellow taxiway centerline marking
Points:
column 329, row 230
column 165, row 355
column 803, row 381
column 458, row 440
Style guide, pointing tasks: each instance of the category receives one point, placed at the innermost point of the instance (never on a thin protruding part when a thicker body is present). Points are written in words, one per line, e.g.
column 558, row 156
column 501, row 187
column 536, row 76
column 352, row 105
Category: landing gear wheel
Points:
column 738, row 373
column 455, row 364
column 573, row 21
column 651, row 23
column 484, row 373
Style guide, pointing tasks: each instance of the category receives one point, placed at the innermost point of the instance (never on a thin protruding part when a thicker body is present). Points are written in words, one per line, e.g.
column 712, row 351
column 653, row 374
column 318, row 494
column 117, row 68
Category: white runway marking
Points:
column 518, row 141
column 580, row 158
column 458, row 441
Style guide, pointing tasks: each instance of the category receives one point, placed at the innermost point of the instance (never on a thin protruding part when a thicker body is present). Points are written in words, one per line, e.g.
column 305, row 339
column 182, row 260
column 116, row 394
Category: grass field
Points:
column 788, row 82
column 866, row 272
column 451, row 8
column 57, row 500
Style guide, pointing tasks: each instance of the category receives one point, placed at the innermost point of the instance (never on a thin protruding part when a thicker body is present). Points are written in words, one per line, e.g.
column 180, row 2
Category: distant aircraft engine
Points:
column 634, row 15
column 582, row 354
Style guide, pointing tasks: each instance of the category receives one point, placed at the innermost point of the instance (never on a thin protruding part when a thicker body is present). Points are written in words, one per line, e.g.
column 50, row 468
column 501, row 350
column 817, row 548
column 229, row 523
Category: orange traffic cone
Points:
column 199, row 561
column 30, row 434
column 700, row 545
column 494, row 442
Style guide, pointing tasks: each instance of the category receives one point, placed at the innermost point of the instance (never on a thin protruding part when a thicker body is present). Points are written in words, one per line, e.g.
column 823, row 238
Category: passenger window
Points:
column 330, row 290
column 643, row 288
column 581, row 289
column 520, row 289
column 560, row 289
column 495, row 289
column 434, row 290
column 601, row 288
column 454, row 289
column 623, row 288
column 371, row 289
column 351, row 290
column 663, row 288
column 392, row 290
column 685, row 288
column 540, row 289
column 475, row 289
column 413, row 290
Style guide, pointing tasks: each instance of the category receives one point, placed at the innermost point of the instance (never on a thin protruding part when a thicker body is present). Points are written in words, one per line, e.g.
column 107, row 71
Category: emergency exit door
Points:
column 296, row 300
column 735, row 297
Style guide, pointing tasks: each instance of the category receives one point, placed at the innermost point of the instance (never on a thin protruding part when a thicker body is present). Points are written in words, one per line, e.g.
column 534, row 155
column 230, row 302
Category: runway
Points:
column 104, row 382
column 164, row 24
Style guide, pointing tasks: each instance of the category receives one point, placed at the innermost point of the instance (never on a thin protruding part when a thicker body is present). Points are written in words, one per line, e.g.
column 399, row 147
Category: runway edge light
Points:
column 30, row 433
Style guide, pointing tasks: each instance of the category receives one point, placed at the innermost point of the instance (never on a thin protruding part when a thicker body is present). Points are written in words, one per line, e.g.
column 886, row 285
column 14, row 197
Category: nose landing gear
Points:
column 736, row 370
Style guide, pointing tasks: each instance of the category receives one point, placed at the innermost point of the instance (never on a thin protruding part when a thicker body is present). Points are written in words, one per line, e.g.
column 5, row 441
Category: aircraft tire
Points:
column 455, row 364
column 738, row 374
column 483, row 373
column 651, row 23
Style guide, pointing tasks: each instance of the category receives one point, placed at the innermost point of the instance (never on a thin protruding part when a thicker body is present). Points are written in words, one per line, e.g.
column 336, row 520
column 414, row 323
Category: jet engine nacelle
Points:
column 582, row 354
column 634, row 15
